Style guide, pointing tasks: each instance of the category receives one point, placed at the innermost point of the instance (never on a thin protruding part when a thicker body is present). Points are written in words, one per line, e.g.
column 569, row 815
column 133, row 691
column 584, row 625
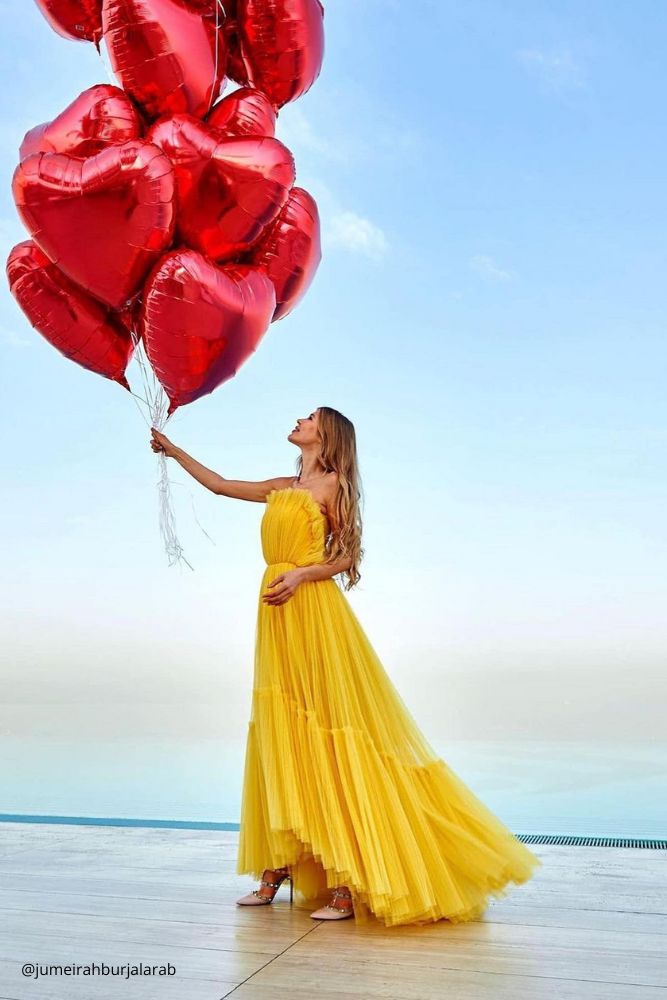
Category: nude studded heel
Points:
column 267, row 888
column 333, row 912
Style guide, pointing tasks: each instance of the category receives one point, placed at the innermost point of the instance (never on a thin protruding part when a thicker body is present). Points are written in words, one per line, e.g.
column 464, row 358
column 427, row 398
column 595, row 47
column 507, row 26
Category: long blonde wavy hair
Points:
column 338, row 453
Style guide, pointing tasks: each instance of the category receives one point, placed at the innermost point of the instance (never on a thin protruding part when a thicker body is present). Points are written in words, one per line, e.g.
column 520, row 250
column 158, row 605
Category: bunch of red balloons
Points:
column 157, row 214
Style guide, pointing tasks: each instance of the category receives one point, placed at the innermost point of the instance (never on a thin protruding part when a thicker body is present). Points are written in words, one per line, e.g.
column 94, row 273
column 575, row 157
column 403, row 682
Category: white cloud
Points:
column 314, row 151
column 557, row 70
column 340, row 133
column 14, row 339
column 344, row 228
column 488, row 268
column 295, row 129
column 358, row 235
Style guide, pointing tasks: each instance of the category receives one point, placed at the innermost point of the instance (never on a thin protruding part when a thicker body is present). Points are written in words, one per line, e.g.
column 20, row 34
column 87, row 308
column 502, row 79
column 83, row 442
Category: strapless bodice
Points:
column 293, row 528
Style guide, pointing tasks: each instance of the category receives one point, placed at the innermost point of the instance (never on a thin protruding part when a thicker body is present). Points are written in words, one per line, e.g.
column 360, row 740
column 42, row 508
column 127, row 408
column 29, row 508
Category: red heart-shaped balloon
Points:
column 280, row 44
column 200, row 322
column 228, row 189
column 169, row 55
column 289, row 252
column 72, row 321
column 105, row 220
column 101, row 116
column 79, row 19
column 243, row 112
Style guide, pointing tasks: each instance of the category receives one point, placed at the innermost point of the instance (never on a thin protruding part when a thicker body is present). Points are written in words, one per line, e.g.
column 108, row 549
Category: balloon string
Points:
column 157, row 403
column 133, row 393
column 175, row 482
column 110, row 77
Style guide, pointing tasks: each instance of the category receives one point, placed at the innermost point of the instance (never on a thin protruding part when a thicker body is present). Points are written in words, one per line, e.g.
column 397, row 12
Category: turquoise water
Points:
column 604, row 789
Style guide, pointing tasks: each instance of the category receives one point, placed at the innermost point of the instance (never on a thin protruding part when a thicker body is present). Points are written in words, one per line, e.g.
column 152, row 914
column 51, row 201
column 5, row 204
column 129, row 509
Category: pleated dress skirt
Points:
column 339, row 783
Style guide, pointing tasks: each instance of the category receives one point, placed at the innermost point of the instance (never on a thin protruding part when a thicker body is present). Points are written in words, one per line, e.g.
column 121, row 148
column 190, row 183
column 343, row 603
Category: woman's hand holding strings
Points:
column 161, row 443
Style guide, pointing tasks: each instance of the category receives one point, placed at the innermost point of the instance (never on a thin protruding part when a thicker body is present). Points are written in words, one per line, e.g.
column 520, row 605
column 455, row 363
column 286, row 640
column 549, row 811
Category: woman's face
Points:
column 305, row 430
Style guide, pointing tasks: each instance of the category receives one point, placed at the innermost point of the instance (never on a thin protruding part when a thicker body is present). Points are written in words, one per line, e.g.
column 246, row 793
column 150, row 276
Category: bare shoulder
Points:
column 277, row 483
column 280, row 482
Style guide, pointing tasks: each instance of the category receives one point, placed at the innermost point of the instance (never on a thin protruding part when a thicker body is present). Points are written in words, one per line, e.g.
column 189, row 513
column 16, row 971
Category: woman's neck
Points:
column 314, row 471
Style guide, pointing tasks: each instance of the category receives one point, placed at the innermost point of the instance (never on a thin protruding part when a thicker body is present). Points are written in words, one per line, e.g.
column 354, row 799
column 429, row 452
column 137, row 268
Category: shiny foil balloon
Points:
column 228, row 189
column 79, row 19
column 243, row 112
column 200, row 322
column 101, row 116
column 289, row 252
column 104, row 220
column 167, row 54
column 75, row 323
column 281, row 45
column 235, row 67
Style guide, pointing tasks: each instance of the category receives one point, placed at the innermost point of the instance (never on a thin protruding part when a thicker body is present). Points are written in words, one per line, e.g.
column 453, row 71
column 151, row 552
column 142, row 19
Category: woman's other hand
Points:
column 161, row 443
column 286, row 586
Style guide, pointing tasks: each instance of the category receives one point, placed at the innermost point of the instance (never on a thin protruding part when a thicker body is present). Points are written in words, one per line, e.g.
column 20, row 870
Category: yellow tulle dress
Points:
column 339, row 782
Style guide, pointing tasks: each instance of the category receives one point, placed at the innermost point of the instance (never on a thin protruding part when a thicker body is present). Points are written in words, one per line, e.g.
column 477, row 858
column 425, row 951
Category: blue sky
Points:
column 490, row 313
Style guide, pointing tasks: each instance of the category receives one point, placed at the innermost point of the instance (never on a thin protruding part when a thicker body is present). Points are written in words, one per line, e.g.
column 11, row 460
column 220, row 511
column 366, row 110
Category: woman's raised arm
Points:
column 237, row 489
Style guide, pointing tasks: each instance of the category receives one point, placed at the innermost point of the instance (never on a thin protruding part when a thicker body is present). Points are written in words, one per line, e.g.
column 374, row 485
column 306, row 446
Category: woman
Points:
column 341, row 791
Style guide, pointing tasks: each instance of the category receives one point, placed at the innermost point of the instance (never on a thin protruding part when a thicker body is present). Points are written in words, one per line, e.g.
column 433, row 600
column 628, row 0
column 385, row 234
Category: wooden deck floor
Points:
column 591, row 925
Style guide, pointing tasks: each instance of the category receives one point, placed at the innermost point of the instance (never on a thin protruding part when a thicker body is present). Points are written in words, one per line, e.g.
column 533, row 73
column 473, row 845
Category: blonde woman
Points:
column 343, row 797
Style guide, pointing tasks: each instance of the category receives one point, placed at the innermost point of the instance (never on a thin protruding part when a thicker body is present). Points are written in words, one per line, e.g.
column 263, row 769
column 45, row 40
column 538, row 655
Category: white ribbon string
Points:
column 107, row 69
column 157, row 404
